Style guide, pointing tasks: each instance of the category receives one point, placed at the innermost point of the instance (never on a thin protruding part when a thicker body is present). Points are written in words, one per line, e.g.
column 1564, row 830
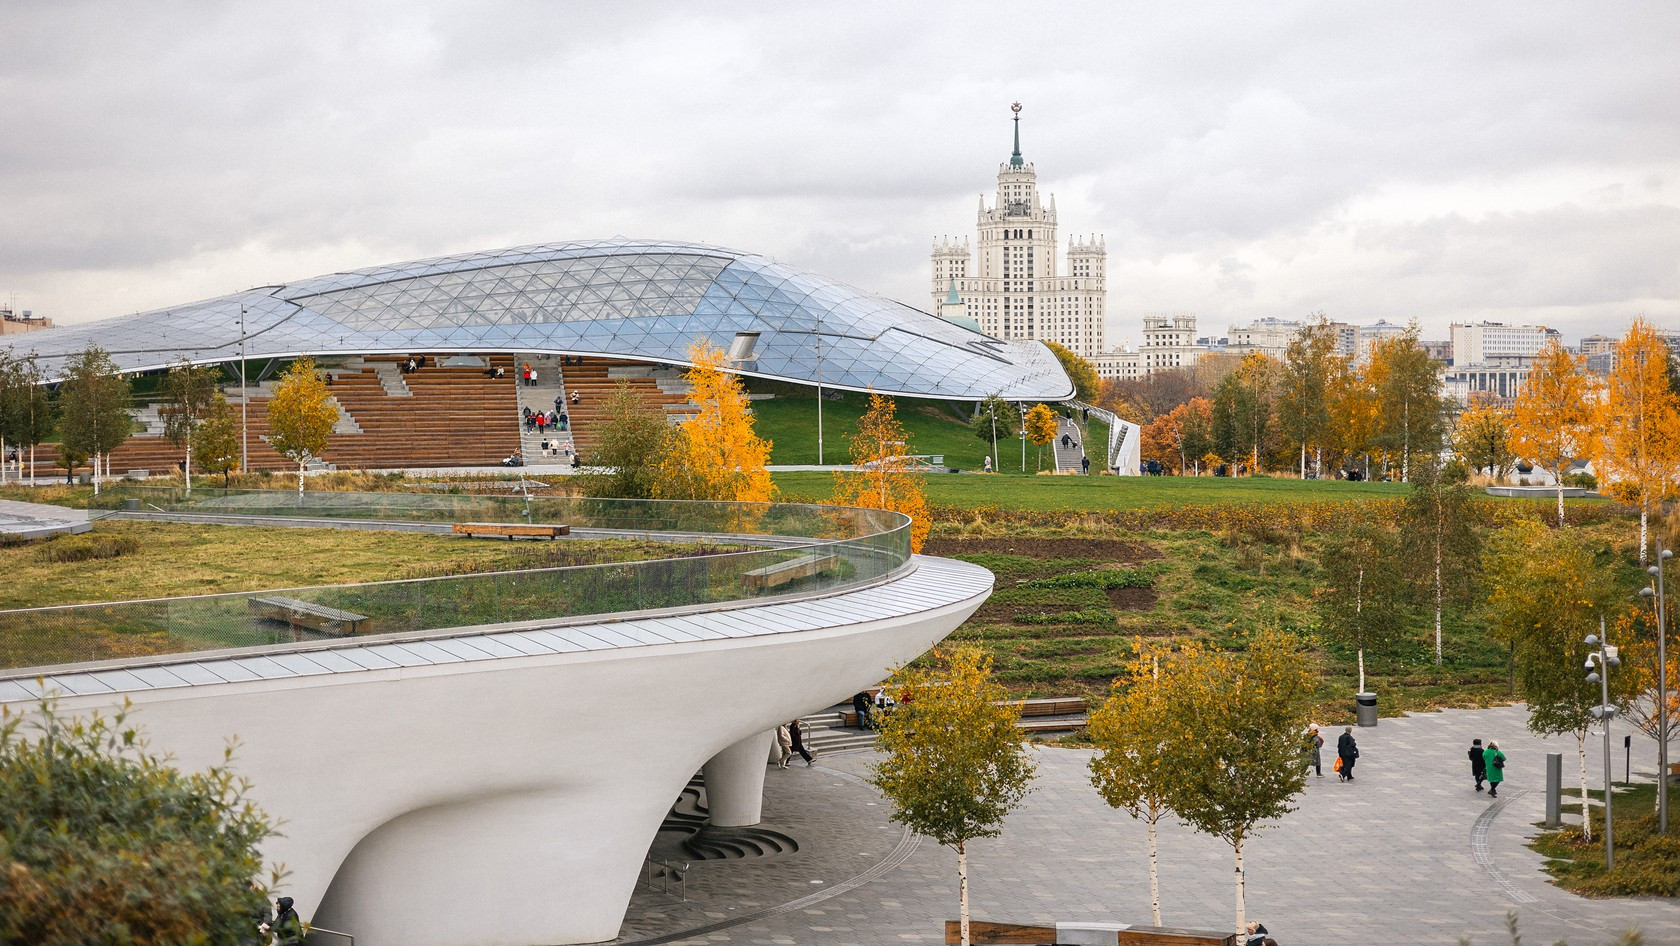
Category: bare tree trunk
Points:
column 31, row 464
column 1242, row 905
column 186, row 472
column 96, row 474
column 1560, row 496
column 1303, row 476
column 1644, row 529
column 1438, row 595
column 1362, row 669
column 1581, row 757
column 300, row 479
column 1154, row 868
column 962, row 883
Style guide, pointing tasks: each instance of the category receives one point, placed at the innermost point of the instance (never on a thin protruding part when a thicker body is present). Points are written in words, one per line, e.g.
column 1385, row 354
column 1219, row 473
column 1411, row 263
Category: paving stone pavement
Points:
column 1387, row 857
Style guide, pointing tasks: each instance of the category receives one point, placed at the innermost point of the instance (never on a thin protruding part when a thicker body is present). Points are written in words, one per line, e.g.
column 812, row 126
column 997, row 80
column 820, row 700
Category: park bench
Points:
column 316, row 617
column 512, row 530
column 805, row 566
column 1087, row 934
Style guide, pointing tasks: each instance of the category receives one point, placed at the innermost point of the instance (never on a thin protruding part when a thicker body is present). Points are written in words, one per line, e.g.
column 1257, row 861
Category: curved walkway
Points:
column 37, row 521
column 1395, row 851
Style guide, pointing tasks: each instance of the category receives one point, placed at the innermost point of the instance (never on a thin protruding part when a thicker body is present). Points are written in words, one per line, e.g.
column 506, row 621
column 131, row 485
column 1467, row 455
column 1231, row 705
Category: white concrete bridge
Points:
column 501, row 784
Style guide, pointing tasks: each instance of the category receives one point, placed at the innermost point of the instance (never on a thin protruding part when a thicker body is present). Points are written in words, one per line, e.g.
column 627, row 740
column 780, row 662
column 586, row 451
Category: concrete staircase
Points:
column 1067, row 458
column 549, row 389
column 826, row 732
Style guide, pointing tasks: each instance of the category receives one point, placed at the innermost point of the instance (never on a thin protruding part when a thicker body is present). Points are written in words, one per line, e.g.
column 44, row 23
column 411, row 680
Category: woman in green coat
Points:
column 1495, row 767
column 286, row 929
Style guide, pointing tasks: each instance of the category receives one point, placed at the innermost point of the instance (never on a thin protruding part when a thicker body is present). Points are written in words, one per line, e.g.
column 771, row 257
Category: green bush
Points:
column 103, row 842
column 87, row 547
column 1086, row 616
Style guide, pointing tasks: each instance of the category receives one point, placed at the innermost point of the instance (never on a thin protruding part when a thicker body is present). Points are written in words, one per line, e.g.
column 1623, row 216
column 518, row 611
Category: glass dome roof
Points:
column 617, row 298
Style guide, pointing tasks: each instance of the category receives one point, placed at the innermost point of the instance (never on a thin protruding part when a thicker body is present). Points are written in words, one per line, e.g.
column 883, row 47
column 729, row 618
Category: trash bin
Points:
column 1367, row 708
column 84, row 479
column 131, row 505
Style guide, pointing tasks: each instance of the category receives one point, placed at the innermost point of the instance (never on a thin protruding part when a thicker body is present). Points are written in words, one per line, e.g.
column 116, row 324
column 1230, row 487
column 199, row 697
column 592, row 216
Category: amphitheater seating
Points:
column 595, row 379
column 455, row 417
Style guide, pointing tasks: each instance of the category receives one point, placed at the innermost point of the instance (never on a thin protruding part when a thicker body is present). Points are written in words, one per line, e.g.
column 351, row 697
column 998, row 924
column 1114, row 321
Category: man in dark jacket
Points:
column 286, row 928
column 860, row 703
column 1348, row 751
column 1478, row 763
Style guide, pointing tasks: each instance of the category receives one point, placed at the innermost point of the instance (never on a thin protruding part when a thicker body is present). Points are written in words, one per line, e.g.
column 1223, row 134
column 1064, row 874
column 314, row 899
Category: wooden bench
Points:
column 512, row 530
column 316, row 617
column 1014, row 934
column 805, row 566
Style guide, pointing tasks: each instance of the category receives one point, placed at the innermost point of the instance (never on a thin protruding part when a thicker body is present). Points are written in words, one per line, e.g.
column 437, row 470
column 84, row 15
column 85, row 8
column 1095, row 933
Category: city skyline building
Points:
column 1012, row 284
column 1483, row 343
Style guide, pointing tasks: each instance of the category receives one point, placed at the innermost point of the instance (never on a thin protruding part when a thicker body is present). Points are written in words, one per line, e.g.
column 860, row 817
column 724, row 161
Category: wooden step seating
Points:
column 594, row 380
column 455, row 417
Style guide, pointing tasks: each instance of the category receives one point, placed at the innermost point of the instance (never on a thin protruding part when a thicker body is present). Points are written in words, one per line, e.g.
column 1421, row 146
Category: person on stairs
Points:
column 784, row 743
column 796, row 731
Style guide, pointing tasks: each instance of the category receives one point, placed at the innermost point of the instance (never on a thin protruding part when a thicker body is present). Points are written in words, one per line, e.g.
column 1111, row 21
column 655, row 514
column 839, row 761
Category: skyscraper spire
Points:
column 1015, row 159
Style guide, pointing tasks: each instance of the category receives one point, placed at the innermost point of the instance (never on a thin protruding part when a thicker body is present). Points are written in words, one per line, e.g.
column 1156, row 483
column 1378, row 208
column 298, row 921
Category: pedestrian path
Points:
column 1402, row 854
column 35, row 521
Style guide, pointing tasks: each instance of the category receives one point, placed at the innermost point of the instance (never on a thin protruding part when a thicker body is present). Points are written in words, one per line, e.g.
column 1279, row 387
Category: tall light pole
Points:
column 819, row 392
column 244, row 399
column 1023, row 409
column 1656, row 571
column 1605, row 658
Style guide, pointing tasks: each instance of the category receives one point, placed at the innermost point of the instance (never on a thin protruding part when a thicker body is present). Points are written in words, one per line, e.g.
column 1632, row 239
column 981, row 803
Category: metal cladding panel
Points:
column 620, row 298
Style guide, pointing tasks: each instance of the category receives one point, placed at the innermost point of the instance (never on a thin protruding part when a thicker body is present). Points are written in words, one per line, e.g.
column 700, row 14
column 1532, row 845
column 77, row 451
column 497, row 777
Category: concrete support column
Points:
column 735, row 782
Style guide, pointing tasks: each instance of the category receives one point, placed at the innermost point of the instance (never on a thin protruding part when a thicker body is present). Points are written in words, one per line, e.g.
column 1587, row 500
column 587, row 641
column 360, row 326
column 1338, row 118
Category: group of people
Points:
column 495, row 371
column 540, row 421
column 1347, row 753
column 413, row 364
column 872, row 707
column 1487, row 765
column 790, row 738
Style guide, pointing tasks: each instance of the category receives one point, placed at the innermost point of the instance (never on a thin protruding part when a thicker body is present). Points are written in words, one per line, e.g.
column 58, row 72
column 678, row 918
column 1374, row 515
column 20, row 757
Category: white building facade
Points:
column 1013, row 285
column 1484, row 343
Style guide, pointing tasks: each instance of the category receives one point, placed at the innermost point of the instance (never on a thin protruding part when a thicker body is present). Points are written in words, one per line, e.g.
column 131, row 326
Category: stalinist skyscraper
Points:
column 1015, row 288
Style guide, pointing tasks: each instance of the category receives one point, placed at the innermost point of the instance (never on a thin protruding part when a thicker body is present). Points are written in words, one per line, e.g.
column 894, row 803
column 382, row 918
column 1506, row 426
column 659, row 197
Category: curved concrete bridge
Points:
column 502, row 784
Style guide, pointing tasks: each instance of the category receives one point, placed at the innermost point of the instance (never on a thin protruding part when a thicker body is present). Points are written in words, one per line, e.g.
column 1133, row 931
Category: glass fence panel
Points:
column 794, row 549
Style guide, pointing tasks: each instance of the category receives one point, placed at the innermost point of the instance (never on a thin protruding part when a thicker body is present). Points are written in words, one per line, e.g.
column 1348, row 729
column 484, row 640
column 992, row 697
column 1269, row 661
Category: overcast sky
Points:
column 1512, row 162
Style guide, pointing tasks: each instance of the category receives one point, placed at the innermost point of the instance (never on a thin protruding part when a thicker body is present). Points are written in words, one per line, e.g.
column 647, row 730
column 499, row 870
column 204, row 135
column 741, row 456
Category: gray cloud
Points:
column 1435, row 161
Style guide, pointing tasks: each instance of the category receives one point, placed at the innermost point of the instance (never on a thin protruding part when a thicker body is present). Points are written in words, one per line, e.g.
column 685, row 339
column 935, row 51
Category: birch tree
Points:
column 1638, row 436
column 1238, row 763
column 882, row 475
column 1133, row 769
column 301, row 416
column 188, row 391
column 1408, row 393
column 956, row 763
column 1303, row 402
column 1440, row 541
column 95, row 398
column 1042, row 425
column 216, row 440
column 716, row 454
column 1483, row 438
column 1361, row 602
column 1545, row 593
column 1552, row 420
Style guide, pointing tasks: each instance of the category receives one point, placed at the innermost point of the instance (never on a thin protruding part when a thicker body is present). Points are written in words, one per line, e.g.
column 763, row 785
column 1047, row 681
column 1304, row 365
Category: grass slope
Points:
column 789, row 421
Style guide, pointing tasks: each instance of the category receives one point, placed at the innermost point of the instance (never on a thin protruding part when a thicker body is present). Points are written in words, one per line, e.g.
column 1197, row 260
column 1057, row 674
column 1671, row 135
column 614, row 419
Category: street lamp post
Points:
column 244, row 399
column 819, row 396
column 1604, row 658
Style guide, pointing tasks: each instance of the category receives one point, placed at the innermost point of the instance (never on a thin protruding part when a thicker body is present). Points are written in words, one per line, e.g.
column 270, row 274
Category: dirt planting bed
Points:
column 1111, row 550
column 1132, row 599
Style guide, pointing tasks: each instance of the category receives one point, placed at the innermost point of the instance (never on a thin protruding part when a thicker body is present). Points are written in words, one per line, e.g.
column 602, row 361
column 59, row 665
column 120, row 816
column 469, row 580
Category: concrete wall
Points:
column 505, row 802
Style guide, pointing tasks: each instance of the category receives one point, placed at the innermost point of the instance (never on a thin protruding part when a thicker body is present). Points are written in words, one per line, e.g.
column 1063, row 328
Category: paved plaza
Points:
column 1407, row 853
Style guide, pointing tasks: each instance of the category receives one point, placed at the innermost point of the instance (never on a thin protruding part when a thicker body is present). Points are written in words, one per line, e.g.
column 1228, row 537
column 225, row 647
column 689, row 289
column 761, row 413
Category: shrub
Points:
column 1085, row 616
column 103, row 842
column 87, row 547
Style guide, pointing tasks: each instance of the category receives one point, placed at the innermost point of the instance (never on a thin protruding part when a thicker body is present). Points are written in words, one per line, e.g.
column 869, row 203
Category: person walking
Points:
column 1495, row 767
column 1085, row 465
column 988, row 468
column 1478, row 763
column 784, row 742
column 1347, row 750
column 1315, row 746
column 797, row 731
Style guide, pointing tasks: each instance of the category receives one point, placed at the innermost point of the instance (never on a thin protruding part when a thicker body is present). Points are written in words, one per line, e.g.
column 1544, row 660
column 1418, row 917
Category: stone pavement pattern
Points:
column 33, row 520
column 1384, row 858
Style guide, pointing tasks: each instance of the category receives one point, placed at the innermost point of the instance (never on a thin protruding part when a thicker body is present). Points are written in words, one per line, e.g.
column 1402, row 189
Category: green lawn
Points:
column 789, row 421
column 1099, row 493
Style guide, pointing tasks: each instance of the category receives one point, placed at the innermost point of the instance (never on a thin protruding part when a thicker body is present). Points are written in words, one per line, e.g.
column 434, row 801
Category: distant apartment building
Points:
column 1483, row 343
column 1597, row 345
column 1169, row 342
column 1370, row 335
column 11, row 323
column 1269, row 336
